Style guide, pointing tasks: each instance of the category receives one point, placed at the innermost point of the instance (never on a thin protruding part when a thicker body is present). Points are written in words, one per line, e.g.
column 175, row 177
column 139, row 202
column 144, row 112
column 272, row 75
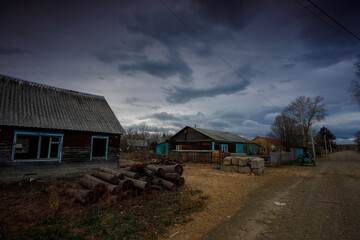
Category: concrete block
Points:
column 244, row 170
column 227, row 161
column 229, row 168
column 243, row 161
column 259, row 171
column 257, row 163
column 235, row 161
column 238, row 154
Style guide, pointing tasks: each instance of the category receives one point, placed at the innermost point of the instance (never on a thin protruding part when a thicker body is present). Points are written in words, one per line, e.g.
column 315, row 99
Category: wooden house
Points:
column 40, row 123
column 137, row 145
column 199, row 139
column 268, row 145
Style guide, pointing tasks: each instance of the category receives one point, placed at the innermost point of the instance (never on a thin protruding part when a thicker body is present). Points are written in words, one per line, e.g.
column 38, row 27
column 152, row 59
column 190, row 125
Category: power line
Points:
column 215, row 52
column 342, row 26
column 316, row 15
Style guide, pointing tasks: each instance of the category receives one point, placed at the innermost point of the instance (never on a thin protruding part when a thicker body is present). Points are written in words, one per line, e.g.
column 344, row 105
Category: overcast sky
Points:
column 151, row 67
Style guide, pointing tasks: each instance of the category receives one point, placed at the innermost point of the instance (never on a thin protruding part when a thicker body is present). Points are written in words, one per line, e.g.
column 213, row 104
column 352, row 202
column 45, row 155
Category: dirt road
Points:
column 322, row 202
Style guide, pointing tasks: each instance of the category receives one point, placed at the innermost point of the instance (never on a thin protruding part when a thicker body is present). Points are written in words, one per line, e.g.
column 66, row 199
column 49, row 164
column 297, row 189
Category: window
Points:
column 36, row 146
column 99, row 147
column 224, row 148
column 262, row 150
column 178, row 147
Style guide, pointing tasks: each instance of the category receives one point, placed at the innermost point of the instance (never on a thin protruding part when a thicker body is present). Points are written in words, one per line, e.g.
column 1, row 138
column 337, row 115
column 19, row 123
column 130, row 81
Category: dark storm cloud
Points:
column 219, row 124
column 111, row 56
column 172, row 66
column 163, row 116
column 220, row 13
column 231, row 115
column 289, row 65
column 326, row 56
column 124, row 51
column 178, row 94
column 131, row 100
column 5, row 50
column 325, row 45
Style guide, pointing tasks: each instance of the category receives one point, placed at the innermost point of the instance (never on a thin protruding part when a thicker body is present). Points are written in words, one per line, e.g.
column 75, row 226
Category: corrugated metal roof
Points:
column 29, row 104
column 273, row 140
column 220, row 136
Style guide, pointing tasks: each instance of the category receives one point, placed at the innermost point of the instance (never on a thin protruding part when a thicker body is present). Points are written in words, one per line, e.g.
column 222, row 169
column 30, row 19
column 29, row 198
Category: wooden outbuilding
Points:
column 40, row 123
column 268, row 144
column 199, row 139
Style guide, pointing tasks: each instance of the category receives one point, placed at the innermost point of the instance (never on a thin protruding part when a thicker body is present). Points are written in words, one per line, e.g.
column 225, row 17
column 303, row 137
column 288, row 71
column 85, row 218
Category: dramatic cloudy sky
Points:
column 172, row 63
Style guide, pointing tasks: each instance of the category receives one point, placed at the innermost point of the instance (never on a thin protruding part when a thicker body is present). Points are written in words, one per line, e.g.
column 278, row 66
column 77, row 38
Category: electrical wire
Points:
column 342, row 26
column 316, row 15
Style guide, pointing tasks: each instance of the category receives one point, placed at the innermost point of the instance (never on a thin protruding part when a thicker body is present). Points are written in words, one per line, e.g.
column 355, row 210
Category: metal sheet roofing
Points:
column 29, row 104
column 272, row 140
column 220, row 136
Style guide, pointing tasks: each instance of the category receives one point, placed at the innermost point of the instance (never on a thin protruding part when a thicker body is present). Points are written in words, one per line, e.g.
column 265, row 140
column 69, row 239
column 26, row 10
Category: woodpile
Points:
column 130, row 179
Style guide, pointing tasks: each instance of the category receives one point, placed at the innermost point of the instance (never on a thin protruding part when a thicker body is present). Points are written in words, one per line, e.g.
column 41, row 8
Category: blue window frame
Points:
column 224, row 148
column 97, row 147
column 37, row 147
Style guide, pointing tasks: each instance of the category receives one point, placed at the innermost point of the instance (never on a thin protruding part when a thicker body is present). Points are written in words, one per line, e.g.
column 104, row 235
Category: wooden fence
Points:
column 199, row 156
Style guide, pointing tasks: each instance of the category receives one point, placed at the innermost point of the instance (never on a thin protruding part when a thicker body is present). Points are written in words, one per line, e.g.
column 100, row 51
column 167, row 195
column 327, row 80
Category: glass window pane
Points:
column 26, row 147
column 44, row 147
column 54, row 150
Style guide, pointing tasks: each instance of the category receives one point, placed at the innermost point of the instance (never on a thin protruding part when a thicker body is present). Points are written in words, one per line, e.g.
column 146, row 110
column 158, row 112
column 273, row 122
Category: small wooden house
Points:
column 40, row 123
column 268, row 145
column 138, row 145
column 199, row 139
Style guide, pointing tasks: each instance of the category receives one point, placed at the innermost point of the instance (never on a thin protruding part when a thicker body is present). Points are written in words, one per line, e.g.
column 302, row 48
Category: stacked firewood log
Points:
column 130, row 179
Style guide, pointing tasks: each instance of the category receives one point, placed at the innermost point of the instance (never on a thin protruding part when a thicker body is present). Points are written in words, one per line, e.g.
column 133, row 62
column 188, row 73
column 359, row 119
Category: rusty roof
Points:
column 272, row 140
column 29, row 104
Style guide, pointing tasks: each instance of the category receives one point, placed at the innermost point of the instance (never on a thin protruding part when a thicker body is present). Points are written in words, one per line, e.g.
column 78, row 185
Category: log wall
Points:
column 76, row 145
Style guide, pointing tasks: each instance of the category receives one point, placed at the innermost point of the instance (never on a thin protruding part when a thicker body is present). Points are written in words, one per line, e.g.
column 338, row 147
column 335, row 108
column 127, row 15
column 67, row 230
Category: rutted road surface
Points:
column 322, row 203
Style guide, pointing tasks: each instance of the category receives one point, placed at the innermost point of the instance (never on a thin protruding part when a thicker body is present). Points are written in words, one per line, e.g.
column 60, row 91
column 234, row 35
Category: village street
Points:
column 322, row 202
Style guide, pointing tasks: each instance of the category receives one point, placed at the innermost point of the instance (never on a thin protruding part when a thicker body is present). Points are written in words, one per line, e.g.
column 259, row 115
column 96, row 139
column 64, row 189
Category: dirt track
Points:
column 322, row 202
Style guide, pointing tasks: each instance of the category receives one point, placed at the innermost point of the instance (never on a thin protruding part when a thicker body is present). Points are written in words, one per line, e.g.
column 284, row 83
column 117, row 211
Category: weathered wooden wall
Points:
column 198, row 157
column 6, row 138
column 189, row 134
column 192, row 145
column 202, row 146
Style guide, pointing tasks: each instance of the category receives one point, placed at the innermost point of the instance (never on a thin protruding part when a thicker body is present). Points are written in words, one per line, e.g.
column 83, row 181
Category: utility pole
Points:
column 325, row 144
column 330, row 145
column 312, row 141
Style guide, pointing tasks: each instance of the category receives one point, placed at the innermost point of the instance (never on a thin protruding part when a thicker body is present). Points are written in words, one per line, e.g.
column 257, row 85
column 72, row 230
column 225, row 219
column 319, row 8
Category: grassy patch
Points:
column 41, row 211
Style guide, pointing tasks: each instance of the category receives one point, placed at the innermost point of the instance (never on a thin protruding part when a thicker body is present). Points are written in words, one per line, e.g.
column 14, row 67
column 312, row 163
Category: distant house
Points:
column 137, row 145
column 191, row 138
column 268, row 145
column 39, row 123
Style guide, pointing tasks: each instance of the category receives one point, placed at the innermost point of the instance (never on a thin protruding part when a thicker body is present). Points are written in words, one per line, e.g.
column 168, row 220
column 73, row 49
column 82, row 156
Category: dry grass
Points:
column 41, row 210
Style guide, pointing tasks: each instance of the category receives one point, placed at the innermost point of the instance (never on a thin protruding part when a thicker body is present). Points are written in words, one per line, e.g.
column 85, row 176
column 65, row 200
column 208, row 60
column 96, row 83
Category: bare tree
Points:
column 156, row 135
column 355, row 84
column 286, row 130
column 144, row 132
column 357, row 139
column 129, row 138
column 306, row 111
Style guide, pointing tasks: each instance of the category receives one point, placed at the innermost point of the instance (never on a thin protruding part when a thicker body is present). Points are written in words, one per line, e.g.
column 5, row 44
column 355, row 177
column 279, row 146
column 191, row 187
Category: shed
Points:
column 268, row 144
column 40, row 123
column 137, row 145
